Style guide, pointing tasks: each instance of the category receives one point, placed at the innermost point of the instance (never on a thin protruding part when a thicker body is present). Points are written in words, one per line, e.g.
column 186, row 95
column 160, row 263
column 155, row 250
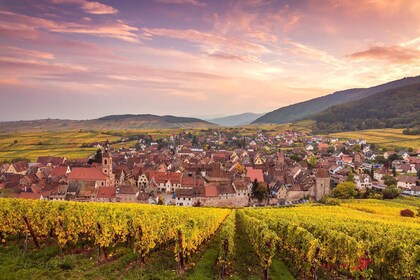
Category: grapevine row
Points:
column 345, row 241
column 226, row 248
column 142, row 227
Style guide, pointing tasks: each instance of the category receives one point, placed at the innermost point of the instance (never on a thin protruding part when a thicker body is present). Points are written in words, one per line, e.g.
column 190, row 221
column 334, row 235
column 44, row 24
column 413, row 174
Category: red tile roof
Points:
column 59, row 171
column 253, row 174
column 86, row 173
column 106, row 192
column 211, row 191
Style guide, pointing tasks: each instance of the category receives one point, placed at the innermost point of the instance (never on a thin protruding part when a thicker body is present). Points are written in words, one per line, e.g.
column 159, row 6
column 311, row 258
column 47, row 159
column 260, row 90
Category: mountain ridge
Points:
column 236, row 120
column 114, row 122
column 311, row 107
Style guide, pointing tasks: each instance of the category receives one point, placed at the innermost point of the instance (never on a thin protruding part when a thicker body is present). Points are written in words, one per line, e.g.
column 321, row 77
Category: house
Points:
column 51, row 161
column 413, row 191
column 20, row 167
column 189, row 197
column 106, row 194
column 83, row 191
column 388, row 154
column 363, row 181
column 126, row 193
column 241, row 188
column 254, row 174
column 406, row 182
column 59, row 193
column 87, row 174
column 31, row 195
column 334, row 169
column 309, row 147
column 378, row 174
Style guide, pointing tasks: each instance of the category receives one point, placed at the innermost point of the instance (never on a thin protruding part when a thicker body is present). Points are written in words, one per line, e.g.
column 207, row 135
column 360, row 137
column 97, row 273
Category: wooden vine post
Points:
column 180, row 253
column 31, row 231
column 225, row 248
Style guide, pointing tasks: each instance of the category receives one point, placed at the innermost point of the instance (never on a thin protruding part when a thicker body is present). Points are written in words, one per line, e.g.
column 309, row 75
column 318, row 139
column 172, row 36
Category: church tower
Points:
column 107, row 164
column 322, row 184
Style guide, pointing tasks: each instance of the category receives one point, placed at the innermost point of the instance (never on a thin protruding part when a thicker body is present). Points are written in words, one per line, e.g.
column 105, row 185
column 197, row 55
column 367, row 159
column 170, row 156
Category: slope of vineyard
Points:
column 142, row 227
column 360, row 239
column 345, row 241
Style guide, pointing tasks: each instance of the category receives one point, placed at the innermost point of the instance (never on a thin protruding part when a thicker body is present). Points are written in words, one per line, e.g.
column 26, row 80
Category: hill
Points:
column 236, row 120
column 395, row 108
column 114, row 122
column 311, row 107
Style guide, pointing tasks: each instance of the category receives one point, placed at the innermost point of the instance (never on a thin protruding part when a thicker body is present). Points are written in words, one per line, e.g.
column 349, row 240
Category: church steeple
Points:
column 107, row 162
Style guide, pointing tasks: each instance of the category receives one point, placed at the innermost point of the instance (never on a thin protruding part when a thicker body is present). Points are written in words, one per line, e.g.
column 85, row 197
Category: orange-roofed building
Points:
column 87, row 174
column 106, row 194
column 253, row 174
column 211, row 191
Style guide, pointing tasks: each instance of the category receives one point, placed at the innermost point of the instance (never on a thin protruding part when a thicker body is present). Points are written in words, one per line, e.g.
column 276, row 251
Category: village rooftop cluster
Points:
column 215, row 168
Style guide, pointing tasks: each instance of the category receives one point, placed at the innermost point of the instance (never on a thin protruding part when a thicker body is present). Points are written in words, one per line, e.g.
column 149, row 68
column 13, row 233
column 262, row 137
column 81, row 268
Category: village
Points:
column 216, row 168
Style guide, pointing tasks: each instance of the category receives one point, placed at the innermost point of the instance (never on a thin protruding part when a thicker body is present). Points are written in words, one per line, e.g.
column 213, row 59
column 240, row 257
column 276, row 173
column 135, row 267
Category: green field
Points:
column 68, row 143
column 64, row 143
column 388, row 138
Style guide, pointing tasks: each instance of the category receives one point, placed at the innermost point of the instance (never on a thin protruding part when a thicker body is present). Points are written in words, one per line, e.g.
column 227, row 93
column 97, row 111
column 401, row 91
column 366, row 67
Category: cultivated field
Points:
column 360, row 239
column 386, row 138
column 63, row 143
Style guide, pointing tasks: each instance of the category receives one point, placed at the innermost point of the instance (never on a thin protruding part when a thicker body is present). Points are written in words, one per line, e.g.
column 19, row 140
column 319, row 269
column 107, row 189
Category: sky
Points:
column 82, row 59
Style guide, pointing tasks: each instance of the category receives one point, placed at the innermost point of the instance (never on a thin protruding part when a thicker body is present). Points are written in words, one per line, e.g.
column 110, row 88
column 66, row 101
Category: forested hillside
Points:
column 311, row 107
column 396, row 108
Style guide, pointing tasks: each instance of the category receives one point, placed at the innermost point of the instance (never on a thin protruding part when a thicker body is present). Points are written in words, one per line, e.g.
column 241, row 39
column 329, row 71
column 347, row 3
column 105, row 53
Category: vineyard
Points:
column 361, row 239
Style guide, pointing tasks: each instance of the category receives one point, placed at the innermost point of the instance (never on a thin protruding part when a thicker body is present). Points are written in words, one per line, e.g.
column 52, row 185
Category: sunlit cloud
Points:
column 21, row 23
column 394, row 54
column 182, row 2
column 90, row 7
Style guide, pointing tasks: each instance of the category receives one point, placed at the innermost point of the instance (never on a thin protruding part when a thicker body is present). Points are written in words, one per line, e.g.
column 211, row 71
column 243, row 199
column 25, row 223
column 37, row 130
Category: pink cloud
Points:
column 394, row 54
column 17, row 22
column 89, row 6
column 182, row 2
column 19, row 52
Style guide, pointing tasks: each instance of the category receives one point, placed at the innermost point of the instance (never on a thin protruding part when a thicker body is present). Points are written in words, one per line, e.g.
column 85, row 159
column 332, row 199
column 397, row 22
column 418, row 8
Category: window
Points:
column 105, row 161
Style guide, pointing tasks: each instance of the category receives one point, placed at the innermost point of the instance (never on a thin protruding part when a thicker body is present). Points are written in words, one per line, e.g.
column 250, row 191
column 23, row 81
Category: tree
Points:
column 345, row 190
column 391, row 192
column 312, row 161
column 389, row 180
column 350, row 176
column 258, row 191
column 393, row 157
column 394, row 172
column 98, row 156
column 194, row 141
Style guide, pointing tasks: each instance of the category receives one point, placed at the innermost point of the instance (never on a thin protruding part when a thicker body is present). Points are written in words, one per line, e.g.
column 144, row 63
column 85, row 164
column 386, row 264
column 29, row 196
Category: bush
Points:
column 345, row 190
column 407, row 213
column 377, row 196
column 391, row 192
column 330, row 201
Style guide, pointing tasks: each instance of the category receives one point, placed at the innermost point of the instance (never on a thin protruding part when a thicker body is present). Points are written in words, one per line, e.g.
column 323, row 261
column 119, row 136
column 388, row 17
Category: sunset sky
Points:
column 82, row 59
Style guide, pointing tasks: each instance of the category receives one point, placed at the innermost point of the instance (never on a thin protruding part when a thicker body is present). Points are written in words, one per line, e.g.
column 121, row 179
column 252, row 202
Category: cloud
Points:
column 19, row 52
column 304, row 51
column 182, row 2
column 210, row 42
column 228, row 56
column 90, row 7
column 12, row 22
column 393, row 54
